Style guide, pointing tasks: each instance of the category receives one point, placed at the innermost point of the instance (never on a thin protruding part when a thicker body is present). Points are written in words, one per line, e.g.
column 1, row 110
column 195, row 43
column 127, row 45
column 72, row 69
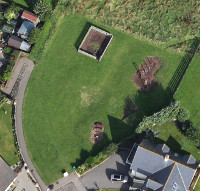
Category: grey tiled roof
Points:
column 172, row 174
column 152, row 184
column 163, row 148
column 7, row 175
column 175, row 182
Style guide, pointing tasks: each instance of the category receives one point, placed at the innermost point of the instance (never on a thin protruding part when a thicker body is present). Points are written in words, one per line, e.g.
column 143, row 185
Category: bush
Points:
column 6, row 75
column 183, row 115
column 169, row 113
column 11, row 12
column 7, row 50
column 38, row 48
column 112, row 148
column 93, row 161
column 42, row 9
column 193, row 135
column 34, row 35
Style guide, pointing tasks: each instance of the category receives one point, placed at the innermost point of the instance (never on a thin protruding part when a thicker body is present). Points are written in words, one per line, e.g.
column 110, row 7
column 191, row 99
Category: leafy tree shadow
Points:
column 173, row 144
column 84, row 154
column 182, row 67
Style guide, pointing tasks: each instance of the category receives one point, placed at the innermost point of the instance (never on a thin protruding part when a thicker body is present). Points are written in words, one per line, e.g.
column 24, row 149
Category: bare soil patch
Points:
column 95, row 43
column 97, row 132
column 145, row 74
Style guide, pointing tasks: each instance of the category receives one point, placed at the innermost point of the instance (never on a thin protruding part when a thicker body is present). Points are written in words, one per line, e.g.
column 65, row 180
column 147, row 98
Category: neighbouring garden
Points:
column 189, row 91
column 67, row 92
column 7, row 149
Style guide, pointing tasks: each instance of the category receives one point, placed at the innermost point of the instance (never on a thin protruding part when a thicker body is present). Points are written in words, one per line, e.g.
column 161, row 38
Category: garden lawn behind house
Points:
column 177, row 142
column 189, row 91
column 68, row 91
column 7, row 148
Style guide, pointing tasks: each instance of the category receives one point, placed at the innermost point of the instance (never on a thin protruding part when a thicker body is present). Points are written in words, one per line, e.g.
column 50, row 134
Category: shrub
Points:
column 7, row 50
column 183, row 115
column 38, row 48
column 6, row 75
column 93, row 161
column 112, row 148
column 169, row 113
column 42, row 9
column 11, row 12
column 34, row 35
column 1, row 16
column 193, row 135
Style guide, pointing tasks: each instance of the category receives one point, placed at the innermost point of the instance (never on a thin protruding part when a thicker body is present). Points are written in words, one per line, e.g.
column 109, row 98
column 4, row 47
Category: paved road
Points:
column 68, row 187
column 100, row 176
column 18, row 120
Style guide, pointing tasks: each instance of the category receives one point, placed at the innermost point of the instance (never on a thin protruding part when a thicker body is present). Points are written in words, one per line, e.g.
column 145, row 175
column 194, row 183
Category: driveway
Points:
column 23, row 182
column 100, row 176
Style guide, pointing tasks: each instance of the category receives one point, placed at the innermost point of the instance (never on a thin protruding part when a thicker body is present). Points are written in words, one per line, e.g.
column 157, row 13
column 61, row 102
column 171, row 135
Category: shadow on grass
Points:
column 84, row 154
column 173, row 144
column 182, row 67
column 84, row 32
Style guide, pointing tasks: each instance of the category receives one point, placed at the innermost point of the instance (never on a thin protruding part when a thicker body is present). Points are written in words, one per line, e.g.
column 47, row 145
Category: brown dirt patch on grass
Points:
column 145, row 74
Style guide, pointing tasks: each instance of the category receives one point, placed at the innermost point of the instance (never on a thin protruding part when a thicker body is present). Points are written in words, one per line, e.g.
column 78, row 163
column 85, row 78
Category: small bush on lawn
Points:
column 93, row 161
column 193, row 135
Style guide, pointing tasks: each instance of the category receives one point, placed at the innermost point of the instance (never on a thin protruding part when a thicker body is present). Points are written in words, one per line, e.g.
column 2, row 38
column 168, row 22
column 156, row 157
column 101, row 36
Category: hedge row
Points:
column 96, row 160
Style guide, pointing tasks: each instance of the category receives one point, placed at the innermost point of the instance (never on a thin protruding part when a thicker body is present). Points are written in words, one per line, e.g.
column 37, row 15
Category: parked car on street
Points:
column 118, row 178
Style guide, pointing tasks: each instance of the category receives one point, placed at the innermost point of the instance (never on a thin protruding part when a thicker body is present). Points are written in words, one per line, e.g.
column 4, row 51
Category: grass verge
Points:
column 7, row 148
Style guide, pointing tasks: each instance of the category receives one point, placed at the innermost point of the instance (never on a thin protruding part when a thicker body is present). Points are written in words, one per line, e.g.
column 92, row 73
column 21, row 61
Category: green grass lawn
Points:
column 189, row 91
column 7, row 148
column 68, row 91
column 177, row 142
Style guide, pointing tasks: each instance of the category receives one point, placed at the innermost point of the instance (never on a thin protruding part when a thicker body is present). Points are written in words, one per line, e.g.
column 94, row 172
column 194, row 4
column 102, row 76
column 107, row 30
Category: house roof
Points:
column 25, row 46
column 26, row 28
column 150, row 161
column 30, row 16
column 7, row 175
column 16, row 42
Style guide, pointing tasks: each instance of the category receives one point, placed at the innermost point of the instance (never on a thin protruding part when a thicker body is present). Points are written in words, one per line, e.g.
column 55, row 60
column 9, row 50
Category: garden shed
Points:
column 25, row 29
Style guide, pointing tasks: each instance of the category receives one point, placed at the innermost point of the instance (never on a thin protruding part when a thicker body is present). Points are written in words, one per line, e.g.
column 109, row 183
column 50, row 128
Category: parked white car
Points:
column 119, row 178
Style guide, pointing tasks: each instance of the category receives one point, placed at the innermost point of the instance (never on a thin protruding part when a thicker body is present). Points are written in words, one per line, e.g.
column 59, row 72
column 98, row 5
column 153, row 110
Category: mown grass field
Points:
column 67, row 92
column 7, row 148
column 189, row 91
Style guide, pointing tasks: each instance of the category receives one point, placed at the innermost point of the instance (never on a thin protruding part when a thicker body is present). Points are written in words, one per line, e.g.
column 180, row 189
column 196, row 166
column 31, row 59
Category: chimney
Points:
column 166, row 158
